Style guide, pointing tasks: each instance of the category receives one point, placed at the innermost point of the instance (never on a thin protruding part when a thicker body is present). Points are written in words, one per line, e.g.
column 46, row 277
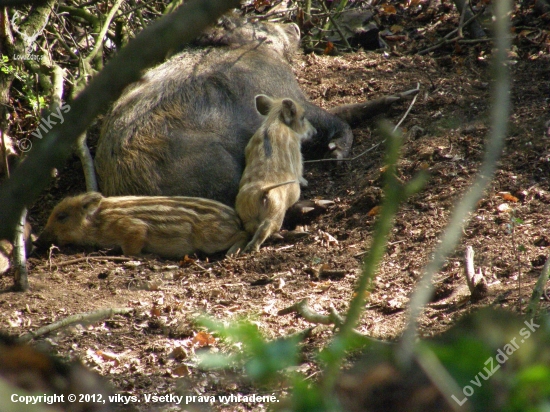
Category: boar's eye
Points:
column 62, row 216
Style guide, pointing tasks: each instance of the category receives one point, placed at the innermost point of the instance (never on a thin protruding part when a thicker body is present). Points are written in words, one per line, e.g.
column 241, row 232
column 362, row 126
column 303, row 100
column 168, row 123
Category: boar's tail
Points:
column 267, row 189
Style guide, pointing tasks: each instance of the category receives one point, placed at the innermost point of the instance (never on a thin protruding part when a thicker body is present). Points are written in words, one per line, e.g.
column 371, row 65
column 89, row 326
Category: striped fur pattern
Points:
column 271, row 180
column 168, row 226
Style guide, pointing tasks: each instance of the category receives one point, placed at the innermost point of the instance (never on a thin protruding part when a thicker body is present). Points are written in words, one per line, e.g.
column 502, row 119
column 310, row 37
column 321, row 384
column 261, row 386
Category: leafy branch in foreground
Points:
column 460, row 215
column 263, row 360
column 394, row 193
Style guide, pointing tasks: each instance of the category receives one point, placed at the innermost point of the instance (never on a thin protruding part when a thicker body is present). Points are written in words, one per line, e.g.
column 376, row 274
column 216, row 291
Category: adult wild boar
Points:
column 183, row 128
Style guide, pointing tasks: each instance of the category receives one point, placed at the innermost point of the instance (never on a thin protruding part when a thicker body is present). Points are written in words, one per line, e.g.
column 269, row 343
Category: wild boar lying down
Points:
column 182, row 129
column 168, row 226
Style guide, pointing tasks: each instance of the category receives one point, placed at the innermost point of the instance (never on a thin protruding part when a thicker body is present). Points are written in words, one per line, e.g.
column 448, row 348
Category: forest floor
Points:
column 154, row 351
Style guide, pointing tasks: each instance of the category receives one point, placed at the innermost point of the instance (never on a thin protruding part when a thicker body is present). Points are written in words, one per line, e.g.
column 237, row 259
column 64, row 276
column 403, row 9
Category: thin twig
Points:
column 374, row 146
column 461, row 214
column 461, row 20
column 276, row 13
column 103, row 32
column 334, row 318
column 88, row 317
column 336, row 26
column 348, row 159
column 538, row 290
column 203, row 269
column 476, row 282
column 409, row 109
column 83, row 259
column 446, row 39
column 474, row 41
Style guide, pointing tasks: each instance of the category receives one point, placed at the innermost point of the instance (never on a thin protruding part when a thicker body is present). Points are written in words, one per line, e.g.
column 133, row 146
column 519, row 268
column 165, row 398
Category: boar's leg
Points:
column 333, row 139
column 355, row 114
column 267, row 227
column 135, row 238
column 239, row 245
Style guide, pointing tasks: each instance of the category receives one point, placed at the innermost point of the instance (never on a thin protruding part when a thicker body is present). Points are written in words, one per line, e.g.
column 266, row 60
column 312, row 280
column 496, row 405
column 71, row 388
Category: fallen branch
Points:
column 84, row 259
column 539, row 290
column 348, row 159
column 302, row 308
column 89, row 317
column 336, row 26
column 447, row 39
column 333, row 318
column 409, row 109
column 461, row 214
column 476, row 282
column 475, row 27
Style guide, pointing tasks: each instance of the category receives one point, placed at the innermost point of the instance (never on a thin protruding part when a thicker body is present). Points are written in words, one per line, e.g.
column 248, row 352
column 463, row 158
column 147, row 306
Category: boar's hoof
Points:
column 304, row 212
column 292, row 235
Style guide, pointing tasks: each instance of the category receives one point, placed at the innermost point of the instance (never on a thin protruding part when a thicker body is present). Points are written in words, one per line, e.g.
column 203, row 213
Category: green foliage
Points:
column 262, row 360
column 309, row 397
column 471, row 354
column 35, row 100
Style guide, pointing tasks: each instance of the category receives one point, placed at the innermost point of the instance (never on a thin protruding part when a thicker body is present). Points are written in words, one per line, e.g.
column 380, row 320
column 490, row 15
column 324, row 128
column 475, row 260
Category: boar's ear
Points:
column 288, row 111
column 90, row 202
column 263, row 104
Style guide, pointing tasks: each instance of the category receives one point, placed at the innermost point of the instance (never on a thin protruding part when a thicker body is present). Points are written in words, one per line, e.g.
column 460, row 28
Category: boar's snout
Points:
column 44, row 240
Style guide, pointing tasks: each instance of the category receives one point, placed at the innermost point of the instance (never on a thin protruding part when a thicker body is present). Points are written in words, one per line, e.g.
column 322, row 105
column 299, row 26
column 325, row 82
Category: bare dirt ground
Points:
column 154, row 350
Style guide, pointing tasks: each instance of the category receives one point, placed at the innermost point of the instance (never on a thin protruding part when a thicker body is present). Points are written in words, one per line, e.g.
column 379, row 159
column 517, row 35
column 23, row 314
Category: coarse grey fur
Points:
column 183, row 128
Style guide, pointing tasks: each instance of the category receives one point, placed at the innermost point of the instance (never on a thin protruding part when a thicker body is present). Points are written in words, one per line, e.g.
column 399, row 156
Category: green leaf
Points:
column 210, row 360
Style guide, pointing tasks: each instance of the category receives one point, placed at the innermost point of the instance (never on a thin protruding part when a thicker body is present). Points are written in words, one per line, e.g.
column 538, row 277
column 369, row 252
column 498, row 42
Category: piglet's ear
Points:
column 288, row 111
column 263, row 104
column 90, row 202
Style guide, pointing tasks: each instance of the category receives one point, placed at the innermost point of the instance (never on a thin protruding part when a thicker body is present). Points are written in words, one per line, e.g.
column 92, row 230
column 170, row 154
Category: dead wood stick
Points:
column 475, row 27
column 84, row 259
column 334, row 318
column 539, row 290
column 336, row 26
column 476, row 282
column 447, row 39
column 274, row 13
column 475, row 41
column 409, row 108
column 339, row 320
column 461, row 20
column 88, row 317
column 302, row 308
column 301, row 335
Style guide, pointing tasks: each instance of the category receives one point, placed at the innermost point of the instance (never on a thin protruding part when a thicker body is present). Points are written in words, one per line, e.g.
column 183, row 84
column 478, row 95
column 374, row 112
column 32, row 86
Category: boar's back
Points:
column 182, row 129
